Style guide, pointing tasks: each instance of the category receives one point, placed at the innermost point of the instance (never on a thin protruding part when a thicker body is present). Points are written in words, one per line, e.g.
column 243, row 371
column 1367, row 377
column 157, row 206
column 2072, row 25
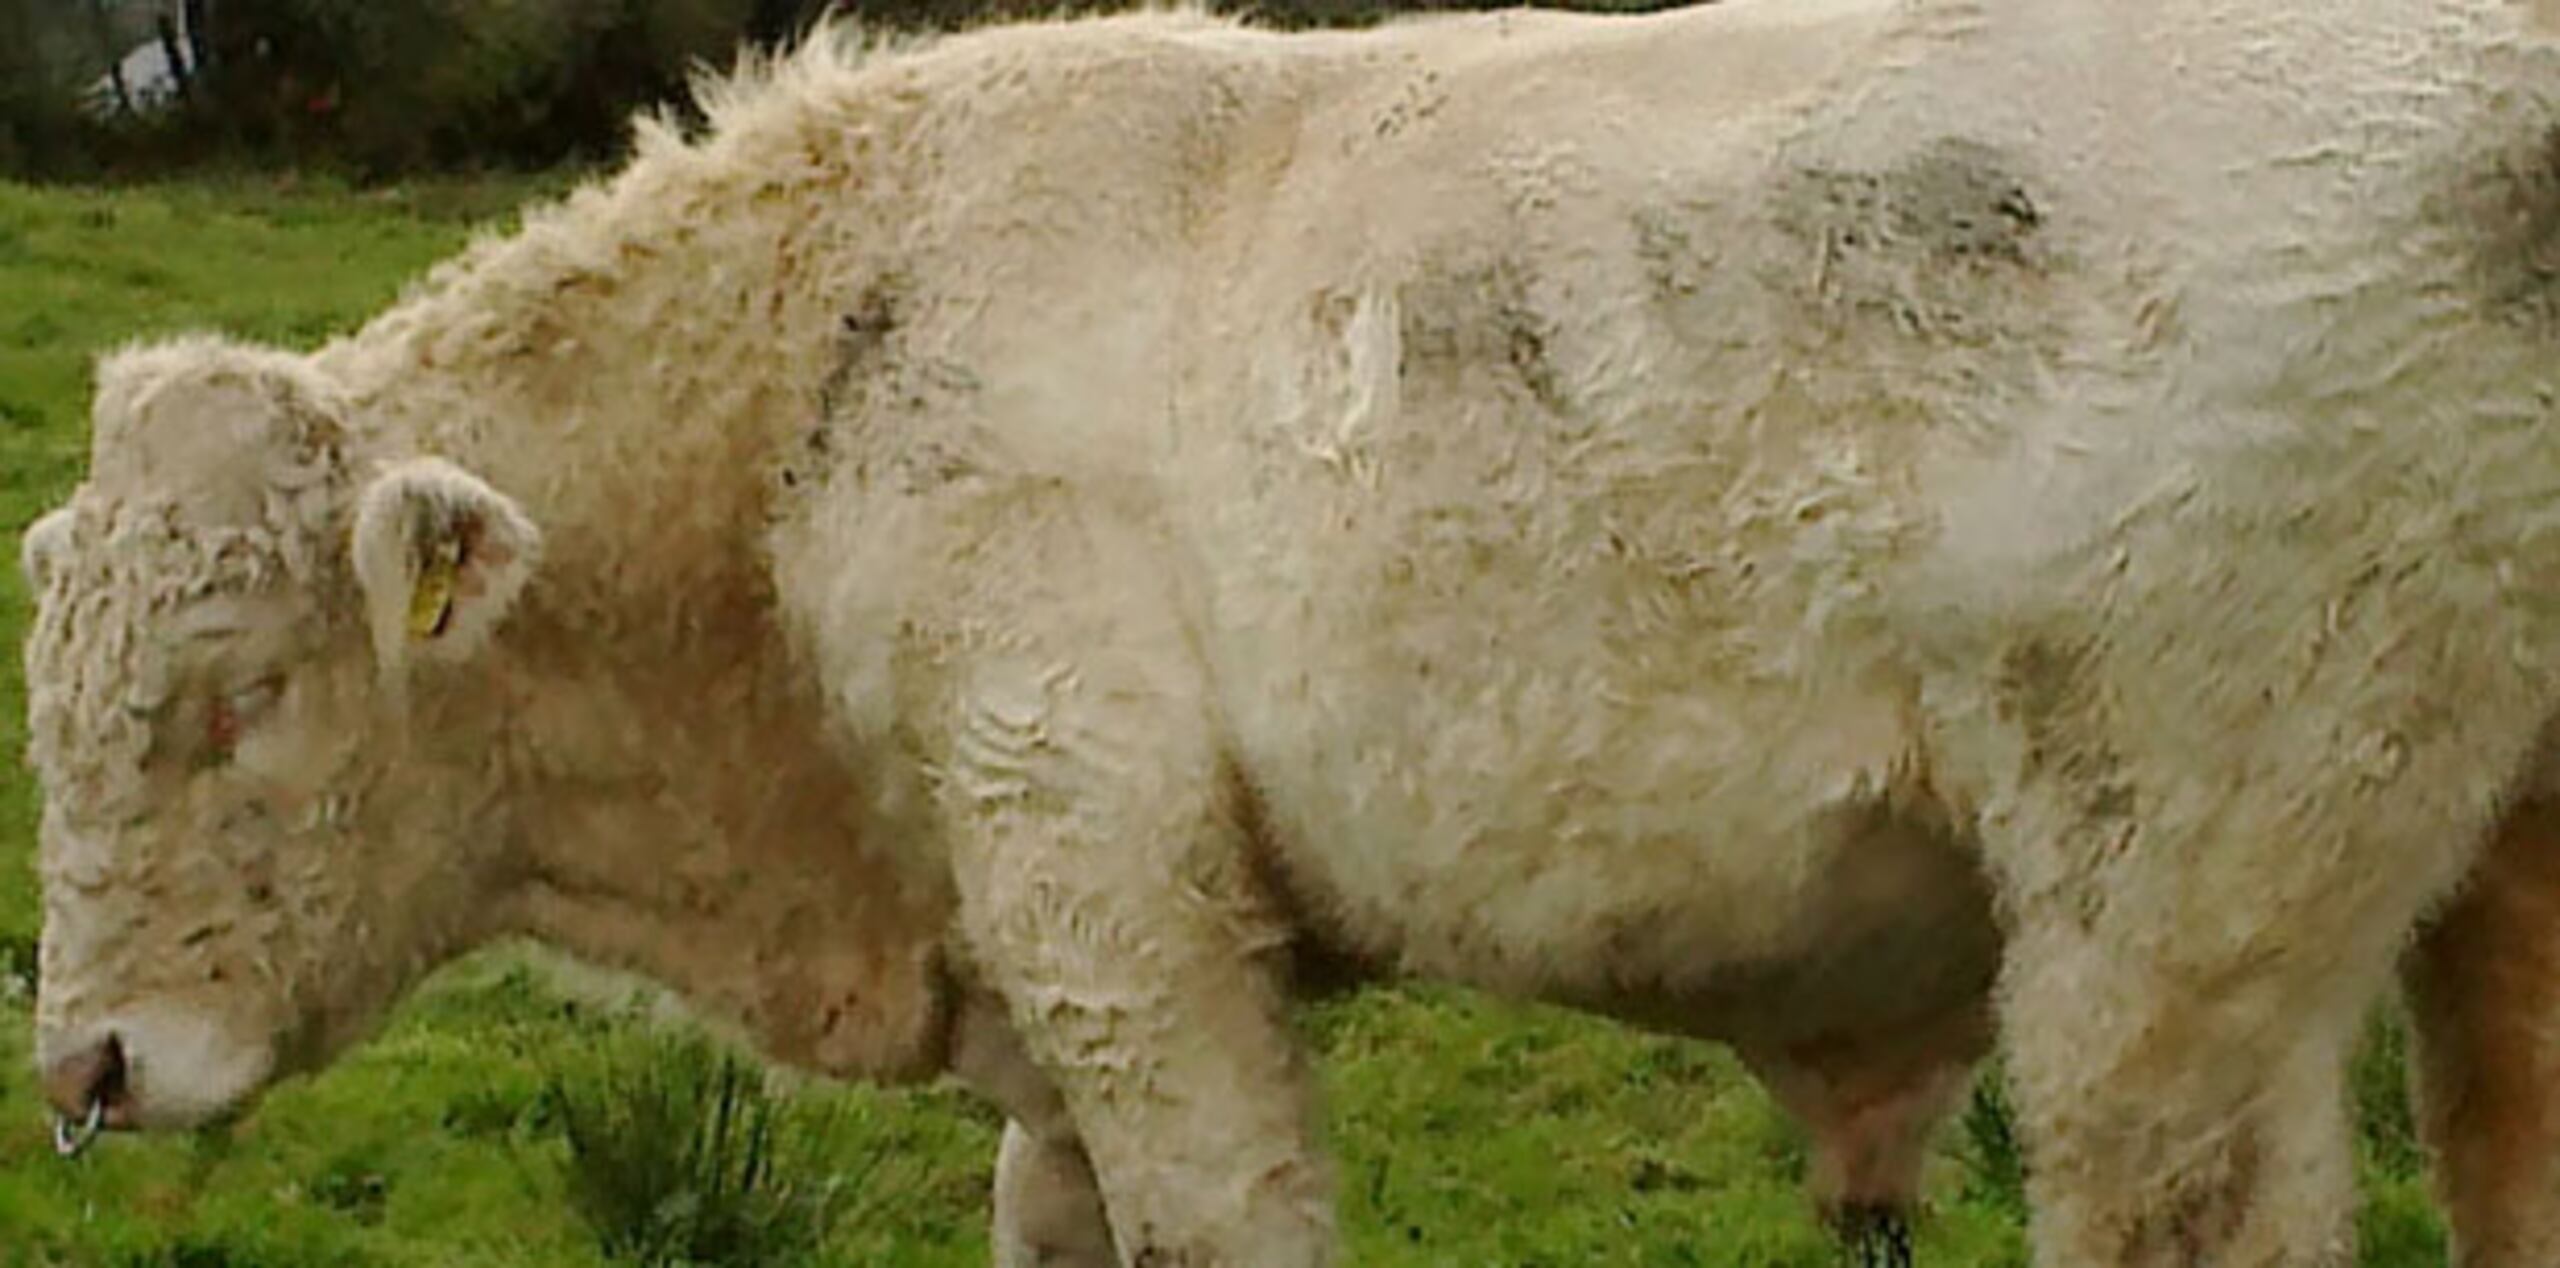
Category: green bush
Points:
column 2379, row 1082
column 1995, row 1165
column 39, row 125
column 678, row 1154
column 462, row 83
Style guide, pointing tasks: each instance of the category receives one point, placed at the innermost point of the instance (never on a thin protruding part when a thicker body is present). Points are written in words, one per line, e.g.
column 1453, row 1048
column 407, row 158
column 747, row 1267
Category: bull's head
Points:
column 228, row 614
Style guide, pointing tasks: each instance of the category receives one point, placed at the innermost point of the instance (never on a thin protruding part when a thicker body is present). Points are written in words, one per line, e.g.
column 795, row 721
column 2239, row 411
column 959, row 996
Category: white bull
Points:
column 1841, row 526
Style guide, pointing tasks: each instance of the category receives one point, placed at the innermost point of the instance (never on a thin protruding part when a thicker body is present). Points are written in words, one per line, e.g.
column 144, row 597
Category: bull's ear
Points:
column 441, row 557
column 42, row 549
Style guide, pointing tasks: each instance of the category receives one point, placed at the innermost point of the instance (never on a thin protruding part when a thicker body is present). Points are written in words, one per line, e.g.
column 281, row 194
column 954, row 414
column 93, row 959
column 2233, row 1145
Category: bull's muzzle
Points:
column 89, row 1092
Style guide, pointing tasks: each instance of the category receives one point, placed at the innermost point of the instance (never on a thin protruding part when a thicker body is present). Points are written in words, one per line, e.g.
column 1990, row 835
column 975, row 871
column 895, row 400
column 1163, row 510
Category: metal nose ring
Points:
column 70, row 1138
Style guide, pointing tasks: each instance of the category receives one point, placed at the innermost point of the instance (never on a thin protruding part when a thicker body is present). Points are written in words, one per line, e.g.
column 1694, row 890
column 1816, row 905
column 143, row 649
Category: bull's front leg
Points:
column 1106, row 896
column 2484, row 989
column 1047, row 1206
column 1141, row 991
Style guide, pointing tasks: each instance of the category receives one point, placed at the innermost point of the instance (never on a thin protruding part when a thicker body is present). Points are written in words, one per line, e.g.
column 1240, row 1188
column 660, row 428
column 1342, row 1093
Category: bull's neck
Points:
column 628, row 374
column 673, row 807
column 628, row 365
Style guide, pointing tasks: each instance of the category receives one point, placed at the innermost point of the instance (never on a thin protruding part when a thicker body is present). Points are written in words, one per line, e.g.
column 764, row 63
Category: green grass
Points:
column 1468, row 1132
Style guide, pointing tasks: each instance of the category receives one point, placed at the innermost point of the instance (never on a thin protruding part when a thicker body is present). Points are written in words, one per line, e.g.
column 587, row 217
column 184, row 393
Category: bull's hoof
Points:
column 1873, row 1235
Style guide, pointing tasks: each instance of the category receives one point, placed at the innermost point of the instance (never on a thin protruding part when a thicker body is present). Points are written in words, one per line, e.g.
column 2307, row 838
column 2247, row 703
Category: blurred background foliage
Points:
column 373, row 89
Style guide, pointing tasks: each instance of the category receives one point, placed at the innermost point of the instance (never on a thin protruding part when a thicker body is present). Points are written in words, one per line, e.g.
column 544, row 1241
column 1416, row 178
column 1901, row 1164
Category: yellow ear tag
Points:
column 431, row 603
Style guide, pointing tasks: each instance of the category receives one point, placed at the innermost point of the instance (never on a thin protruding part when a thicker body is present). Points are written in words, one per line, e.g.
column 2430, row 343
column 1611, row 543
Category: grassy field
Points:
column 1469, row 1133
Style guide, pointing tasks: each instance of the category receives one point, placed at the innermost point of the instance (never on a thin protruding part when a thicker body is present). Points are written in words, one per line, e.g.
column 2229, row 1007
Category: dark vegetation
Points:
column 383, row 88
column 680, row 1154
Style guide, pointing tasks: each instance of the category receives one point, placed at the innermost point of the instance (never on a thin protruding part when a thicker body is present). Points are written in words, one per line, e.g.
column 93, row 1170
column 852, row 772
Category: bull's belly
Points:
column 1870, row 963
column 1709, row 865
column 1878, row 930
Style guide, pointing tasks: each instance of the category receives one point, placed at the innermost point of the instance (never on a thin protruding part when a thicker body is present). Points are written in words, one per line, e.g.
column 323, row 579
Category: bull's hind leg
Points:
column 2179, row 1011
column 2181, row 996
column 2484, row 990
column 2182, row 1115
column 2207, row 891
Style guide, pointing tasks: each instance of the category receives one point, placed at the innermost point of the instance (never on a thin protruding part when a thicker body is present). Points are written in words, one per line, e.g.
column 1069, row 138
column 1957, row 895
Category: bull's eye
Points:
column 235, row 711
